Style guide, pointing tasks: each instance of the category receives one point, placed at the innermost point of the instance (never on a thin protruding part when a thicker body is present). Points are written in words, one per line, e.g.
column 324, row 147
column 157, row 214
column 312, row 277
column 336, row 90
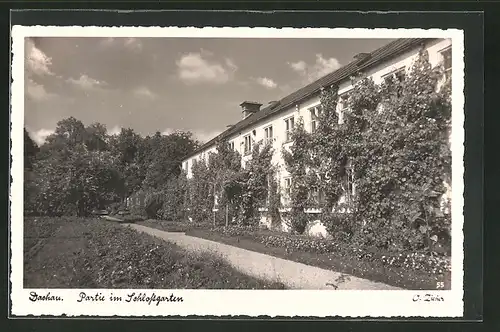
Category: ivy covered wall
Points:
column 376, row 176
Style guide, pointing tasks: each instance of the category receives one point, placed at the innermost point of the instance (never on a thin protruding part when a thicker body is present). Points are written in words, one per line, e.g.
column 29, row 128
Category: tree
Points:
column 96, row 137
column 75, row 173
column 86, row 180
column 126, row 146
column 30, row 150
column 162, row 157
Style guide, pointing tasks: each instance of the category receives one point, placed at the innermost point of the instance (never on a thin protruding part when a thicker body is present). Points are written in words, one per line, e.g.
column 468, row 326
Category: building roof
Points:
column 389, row 50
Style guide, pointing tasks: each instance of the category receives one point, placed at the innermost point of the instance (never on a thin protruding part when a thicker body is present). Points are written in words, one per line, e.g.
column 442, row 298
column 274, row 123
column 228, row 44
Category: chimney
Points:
column 249, row 107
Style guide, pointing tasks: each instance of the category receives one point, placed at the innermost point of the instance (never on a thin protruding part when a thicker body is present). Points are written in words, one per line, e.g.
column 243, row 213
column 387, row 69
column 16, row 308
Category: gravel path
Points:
column 294, row 275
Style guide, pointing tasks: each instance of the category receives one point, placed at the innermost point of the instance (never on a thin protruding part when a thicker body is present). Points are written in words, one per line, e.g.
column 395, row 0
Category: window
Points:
column 396, row 76
column 268, row 186
column 314, row 111
column 289, row 124
column 446, row 55
column 248, row 144
column 349, row 182
column 394, row 79
column 288, row 188
column 344, row 106
column 268, row 133
column 231, row 145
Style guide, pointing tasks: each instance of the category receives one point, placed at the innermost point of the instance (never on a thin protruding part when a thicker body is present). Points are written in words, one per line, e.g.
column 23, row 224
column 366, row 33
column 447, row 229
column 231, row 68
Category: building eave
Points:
column 377, row 56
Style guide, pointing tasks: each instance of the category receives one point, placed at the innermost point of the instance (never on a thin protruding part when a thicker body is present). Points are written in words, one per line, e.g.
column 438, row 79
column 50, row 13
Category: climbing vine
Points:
column 394, row 141
column 404, row 159
column 200, row 196
column 297, row 159
column 274, row 205
column 377, row 176
column 222, row 186
column 225, row 170
column 256, row 182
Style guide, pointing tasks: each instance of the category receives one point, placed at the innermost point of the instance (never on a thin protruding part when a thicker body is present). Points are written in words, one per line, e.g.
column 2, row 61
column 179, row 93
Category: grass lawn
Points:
column 94, row 253
column 373, row 269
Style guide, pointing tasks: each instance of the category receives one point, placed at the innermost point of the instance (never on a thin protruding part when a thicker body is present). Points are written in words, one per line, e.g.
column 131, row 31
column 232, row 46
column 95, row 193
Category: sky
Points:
column 169, row 84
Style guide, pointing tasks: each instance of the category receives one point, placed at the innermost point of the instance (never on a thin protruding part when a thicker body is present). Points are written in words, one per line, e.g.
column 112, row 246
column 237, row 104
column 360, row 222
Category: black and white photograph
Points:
column 163, row 167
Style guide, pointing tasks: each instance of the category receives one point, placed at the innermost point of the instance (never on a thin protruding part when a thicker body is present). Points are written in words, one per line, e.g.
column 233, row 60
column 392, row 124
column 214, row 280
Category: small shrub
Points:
column 429, row 262
column 338, row 225
column 132, row 218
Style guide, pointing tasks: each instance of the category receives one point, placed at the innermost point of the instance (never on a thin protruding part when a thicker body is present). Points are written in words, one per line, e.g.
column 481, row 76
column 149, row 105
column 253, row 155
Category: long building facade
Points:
column 273, row 122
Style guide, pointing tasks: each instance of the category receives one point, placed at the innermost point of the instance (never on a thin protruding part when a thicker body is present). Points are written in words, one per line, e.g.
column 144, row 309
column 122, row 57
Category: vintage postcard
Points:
column 237, row 172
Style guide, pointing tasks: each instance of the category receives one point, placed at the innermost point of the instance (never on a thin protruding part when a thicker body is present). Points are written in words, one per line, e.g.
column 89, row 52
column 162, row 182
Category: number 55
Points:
column 439, row 284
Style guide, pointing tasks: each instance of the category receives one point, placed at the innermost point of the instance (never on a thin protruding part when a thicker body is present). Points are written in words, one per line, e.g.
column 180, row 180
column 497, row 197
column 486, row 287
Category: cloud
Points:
column 41, row 135
column 230, row 64
column 266, row 82
column 168, row 131
column 37, row 62
column 133, row 44
column 299, row 66
column 205, row 136
column 115, row 130
column 130, row 43
column 87, row 83
column 321, row 67
column 201, row 135
column 144, row 92
column 37, row 91
column 198, row 68
column 107, row 41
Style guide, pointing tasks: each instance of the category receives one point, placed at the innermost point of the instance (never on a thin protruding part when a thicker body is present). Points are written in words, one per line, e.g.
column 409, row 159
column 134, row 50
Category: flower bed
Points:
column 95, row 254
column 424, row 261
column 414, row 270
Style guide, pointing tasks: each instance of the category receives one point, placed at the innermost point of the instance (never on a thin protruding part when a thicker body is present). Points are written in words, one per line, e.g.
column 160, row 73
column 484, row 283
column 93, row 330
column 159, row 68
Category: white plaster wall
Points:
column 302, row 110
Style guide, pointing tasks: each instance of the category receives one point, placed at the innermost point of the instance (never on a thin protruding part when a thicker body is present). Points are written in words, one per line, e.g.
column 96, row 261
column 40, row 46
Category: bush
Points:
column 429, row 262
column 236, row 231
column 338, row 225
column 153, row 205
column 173, row 195
column 298, row 221
column 299, row 243
column 424, row 261
column 130, row 218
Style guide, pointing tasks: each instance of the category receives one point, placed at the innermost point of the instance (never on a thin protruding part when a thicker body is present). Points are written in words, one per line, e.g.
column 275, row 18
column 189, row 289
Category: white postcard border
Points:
column 286, row 303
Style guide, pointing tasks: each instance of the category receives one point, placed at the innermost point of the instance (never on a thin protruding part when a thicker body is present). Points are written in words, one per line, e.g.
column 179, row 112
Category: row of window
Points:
column 289, row 125
column 396, row 75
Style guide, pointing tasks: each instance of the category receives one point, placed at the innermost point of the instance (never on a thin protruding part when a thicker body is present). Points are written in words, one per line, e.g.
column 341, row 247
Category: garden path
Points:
column 294, row 275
